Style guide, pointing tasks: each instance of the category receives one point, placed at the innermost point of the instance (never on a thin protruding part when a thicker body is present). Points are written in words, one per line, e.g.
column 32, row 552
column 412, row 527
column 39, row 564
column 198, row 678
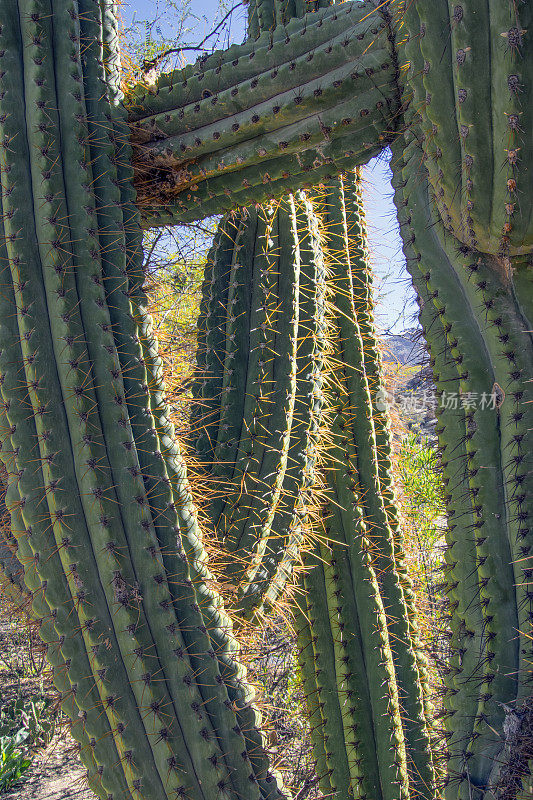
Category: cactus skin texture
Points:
column 377, row 674
column 258, row 389
column 217, row 135
column 99, row 551
column 114, row 568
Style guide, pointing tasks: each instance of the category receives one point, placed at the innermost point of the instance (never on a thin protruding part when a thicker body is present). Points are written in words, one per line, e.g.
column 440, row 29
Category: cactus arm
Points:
column 462, row 583
column 290, row 517
column 488, row 312
column 49, row 601
column 243, row 116
column 249, row 60
column 214, row 696
column 270, row 179
column 252, row 445
column 122, row 462
column 381, row 536
column 257, row 397
column 360, row 588
column 247, row 522
column 362, row 293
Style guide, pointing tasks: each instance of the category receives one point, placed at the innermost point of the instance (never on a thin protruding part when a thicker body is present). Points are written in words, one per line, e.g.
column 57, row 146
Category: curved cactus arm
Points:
column 365, row 683
column 261, row 361
column 245, row 520
column 487, row 336
column 241, row 118
column 468, row 644
column 290, row 520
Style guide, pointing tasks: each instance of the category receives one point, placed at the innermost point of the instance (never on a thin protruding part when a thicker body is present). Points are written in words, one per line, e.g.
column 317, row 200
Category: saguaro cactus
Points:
column 378, row 672
column 97, row 492
column 258, row 375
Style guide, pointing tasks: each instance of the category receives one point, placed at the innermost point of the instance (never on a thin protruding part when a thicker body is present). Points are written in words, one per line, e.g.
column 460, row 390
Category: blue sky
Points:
column 395, row 298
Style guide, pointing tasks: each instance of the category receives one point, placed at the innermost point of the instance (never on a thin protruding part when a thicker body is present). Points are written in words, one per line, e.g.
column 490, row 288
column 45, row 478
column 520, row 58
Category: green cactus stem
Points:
column 486, row 337
column 246, row 134
column 258, row 375
column 471, row 91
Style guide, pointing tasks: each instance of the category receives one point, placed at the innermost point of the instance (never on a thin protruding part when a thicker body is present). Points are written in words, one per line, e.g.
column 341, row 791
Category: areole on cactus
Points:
column 106, row 530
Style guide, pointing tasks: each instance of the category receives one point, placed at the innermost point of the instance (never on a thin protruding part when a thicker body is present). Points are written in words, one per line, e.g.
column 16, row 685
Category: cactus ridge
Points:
column 477, row 131
column 348, row 258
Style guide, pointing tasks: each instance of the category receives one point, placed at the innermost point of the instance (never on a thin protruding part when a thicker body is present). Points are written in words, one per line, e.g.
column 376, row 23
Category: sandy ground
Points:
column 56, row 774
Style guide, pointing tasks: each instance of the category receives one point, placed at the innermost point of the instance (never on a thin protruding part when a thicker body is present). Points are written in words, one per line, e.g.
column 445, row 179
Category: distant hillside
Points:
column 406, row 347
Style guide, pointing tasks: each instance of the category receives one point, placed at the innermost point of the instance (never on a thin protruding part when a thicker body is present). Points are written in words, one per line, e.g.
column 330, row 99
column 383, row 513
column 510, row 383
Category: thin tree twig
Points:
column 148, row 65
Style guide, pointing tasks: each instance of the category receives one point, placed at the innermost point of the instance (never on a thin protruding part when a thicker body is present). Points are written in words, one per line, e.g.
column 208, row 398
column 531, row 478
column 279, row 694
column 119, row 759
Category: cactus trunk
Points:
column 101, row 547
column 102, row 519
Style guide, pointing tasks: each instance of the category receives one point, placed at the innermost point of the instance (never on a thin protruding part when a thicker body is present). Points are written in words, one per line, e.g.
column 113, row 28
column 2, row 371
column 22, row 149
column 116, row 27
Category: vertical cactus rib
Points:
column 304, row 639
column 323, row 662
column 352, row 373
